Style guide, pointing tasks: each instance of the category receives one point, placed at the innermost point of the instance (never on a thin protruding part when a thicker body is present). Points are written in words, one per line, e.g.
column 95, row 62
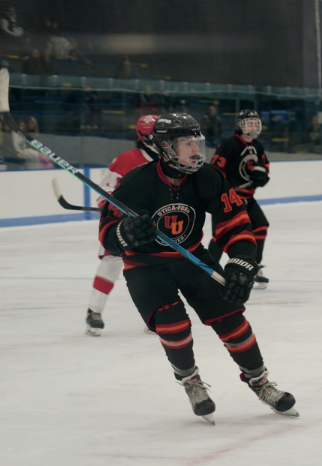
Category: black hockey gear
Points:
column 172, row 130
column 242, row 127
column 259, row 176
column 94, row 323
column 134, row 232
column 239, row 280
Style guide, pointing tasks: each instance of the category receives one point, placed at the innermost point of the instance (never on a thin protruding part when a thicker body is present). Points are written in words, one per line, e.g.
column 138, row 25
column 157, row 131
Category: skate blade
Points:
column 209, row 418
column 94, row 332
column 290, row 412
column 259, row 286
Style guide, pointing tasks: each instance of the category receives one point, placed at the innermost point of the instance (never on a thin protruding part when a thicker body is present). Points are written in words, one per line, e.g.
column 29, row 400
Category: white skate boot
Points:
column 280, row 402
column 202, row 404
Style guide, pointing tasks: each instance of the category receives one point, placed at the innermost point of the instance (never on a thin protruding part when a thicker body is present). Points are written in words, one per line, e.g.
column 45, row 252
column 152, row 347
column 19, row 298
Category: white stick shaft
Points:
column 4, row 90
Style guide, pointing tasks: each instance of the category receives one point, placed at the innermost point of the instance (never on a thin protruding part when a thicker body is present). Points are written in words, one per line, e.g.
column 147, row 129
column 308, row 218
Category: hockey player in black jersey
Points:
column 241, row 160
column 174, row 194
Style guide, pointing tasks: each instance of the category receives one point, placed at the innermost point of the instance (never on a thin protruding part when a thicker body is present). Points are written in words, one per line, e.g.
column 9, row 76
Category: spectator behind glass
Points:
column 32, row 64
column 58, row 46
column 91, row 119
column 124, row 69
column 32, row 127
column 48, row 63
column 314, row 131
column 11, row 32
column 211, row 126
column 9, row 158
column 33, row 158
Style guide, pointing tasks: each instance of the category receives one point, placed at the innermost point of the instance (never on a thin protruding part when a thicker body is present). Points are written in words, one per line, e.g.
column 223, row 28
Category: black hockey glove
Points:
column 239, row 275
column 259, row 176
column 135, row 231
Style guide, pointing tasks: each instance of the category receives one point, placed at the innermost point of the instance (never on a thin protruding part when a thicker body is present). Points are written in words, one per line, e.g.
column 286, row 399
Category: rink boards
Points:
column 27, row 197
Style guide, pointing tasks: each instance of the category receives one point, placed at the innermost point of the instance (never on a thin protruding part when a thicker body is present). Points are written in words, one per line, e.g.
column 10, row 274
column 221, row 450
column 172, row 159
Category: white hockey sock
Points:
column 107, row 273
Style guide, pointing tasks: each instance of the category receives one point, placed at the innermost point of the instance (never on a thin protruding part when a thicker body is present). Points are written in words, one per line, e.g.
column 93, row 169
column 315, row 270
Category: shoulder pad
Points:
column 209, row 181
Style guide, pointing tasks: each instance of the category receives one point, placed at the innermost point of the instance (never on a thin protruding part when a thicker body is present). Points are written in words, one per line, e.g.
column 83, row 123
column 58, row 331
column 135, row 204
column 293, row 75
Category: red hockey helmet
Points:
column 144, row 127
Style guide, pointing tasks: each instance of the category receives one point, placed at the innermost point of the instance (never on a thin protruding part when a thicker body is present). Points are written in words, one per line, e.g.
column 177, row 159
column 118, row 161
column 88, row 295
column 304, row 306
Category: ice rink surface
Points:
column 68, row 399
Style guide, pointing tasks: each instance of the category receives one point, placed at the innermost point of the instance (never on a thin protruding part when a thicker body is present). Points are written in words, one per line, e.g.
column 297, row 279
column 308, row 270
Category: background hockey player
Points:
column 110, row 267
column 241, row 159
column 174, row 193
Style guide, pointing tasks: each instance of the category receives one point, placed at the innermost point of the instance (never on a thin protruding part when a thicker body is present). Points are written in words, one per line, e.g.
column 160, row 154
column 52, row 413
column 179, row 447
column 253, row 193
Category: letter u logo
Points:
column 175, row 227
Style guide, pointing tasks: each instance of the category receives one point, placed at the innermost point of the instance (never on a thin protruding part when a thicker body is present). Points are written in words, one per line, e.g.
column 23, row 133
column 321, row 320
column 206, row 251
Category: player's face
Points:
column 251, row 126
column 187, row 148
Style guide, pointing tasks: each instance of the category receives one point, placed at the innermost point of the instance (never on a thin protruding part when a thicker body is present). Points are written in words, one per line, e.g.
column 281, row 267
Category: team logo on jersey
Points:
column 176, row 221
column 249, row 157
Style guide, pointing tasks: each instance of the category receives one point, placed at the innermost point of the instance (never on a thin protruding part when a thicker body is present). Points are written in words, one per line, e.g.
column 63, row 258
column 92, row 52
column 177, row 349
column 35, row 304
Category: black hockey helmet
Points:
column 178, row 138
column 248, row 123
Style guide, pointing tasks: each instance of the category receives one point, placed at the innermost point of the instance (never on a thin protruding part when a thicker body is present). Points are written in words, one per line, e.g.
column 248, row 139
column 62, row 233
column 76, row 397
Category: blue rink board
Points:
column 24, row 221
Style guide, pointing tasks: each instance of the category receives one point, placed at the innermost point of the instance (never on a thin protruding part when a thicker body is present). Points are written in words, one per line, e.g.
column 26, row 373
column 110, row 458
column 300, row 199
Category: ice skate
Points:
column 260, row 282
column 280, row 402
column 94, row 323
column 202, row 404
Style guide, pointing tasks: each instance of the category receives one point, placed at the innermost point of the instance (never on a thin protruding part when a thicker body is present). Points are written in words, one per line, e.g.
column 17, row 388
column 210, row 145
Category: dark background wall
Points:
column 256, row 42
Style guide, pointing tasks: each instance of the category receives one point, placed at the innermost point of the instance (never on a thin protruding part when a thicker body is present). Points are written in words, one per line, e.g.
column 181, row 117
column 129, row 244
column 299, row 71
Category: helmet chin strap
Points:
column 171, row 172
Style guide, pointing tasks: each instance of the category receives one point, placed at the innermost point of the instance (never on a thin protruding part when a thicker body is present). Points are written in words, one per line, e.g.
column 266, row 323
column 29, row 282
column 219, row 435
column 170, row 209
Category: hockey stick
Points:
column 242, row 186
column 66, row 205
column 8, row 120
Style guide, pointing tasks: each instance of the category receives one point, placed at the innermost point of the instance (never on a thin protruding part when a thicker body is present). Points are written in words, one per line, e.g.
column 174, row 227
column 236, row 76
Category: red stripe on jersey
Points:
column 245, row 236
column 242, row 140
column 246, row 193
column 260, row 237
column 239, row 219
column 263, row 228
column 174, row 254
column 104, row 230
column 223, row 173
column 131, row 264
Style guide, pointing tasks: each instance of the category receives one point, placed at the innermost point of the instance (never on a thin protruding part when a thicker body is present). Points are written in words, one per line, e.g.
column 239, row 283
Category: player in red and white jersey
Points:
column 110, row 267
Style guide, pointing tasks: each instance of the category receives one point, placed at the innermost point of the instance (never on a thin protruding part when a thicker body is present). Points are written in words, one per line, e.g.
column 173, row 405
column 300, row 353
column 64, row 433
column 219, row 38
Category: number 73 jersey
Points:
column 179, row 212
column 235, row 159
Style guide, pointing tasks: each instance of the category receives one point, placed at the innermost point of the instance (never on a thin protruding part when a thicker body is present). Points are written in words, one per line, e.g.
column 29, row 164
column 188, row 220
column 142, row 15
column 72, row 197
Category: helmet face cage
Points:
column 251, row 127
column 249, row 123
column 178, row 151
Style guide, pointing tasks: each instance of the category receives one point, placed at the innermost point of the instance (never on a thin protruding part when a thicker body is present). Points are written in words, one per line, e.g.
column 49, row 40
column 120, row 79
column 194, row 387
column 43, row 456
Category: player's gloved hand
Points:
column 239, row 274
column 259, row 176
column 136, row 231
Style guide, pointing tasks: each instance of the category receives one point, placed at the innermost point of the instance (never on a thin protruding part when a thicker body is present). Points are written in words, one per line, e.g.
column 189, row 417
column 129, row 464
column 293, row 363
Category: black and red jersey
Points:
column 235, row 159
column 179, row 212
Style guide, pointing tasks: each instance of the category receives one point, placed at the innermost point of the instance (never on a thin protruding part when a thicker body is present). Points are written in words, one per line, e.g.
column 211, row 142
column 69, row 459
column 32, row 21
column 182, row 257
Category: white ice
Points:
column 68, row 399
